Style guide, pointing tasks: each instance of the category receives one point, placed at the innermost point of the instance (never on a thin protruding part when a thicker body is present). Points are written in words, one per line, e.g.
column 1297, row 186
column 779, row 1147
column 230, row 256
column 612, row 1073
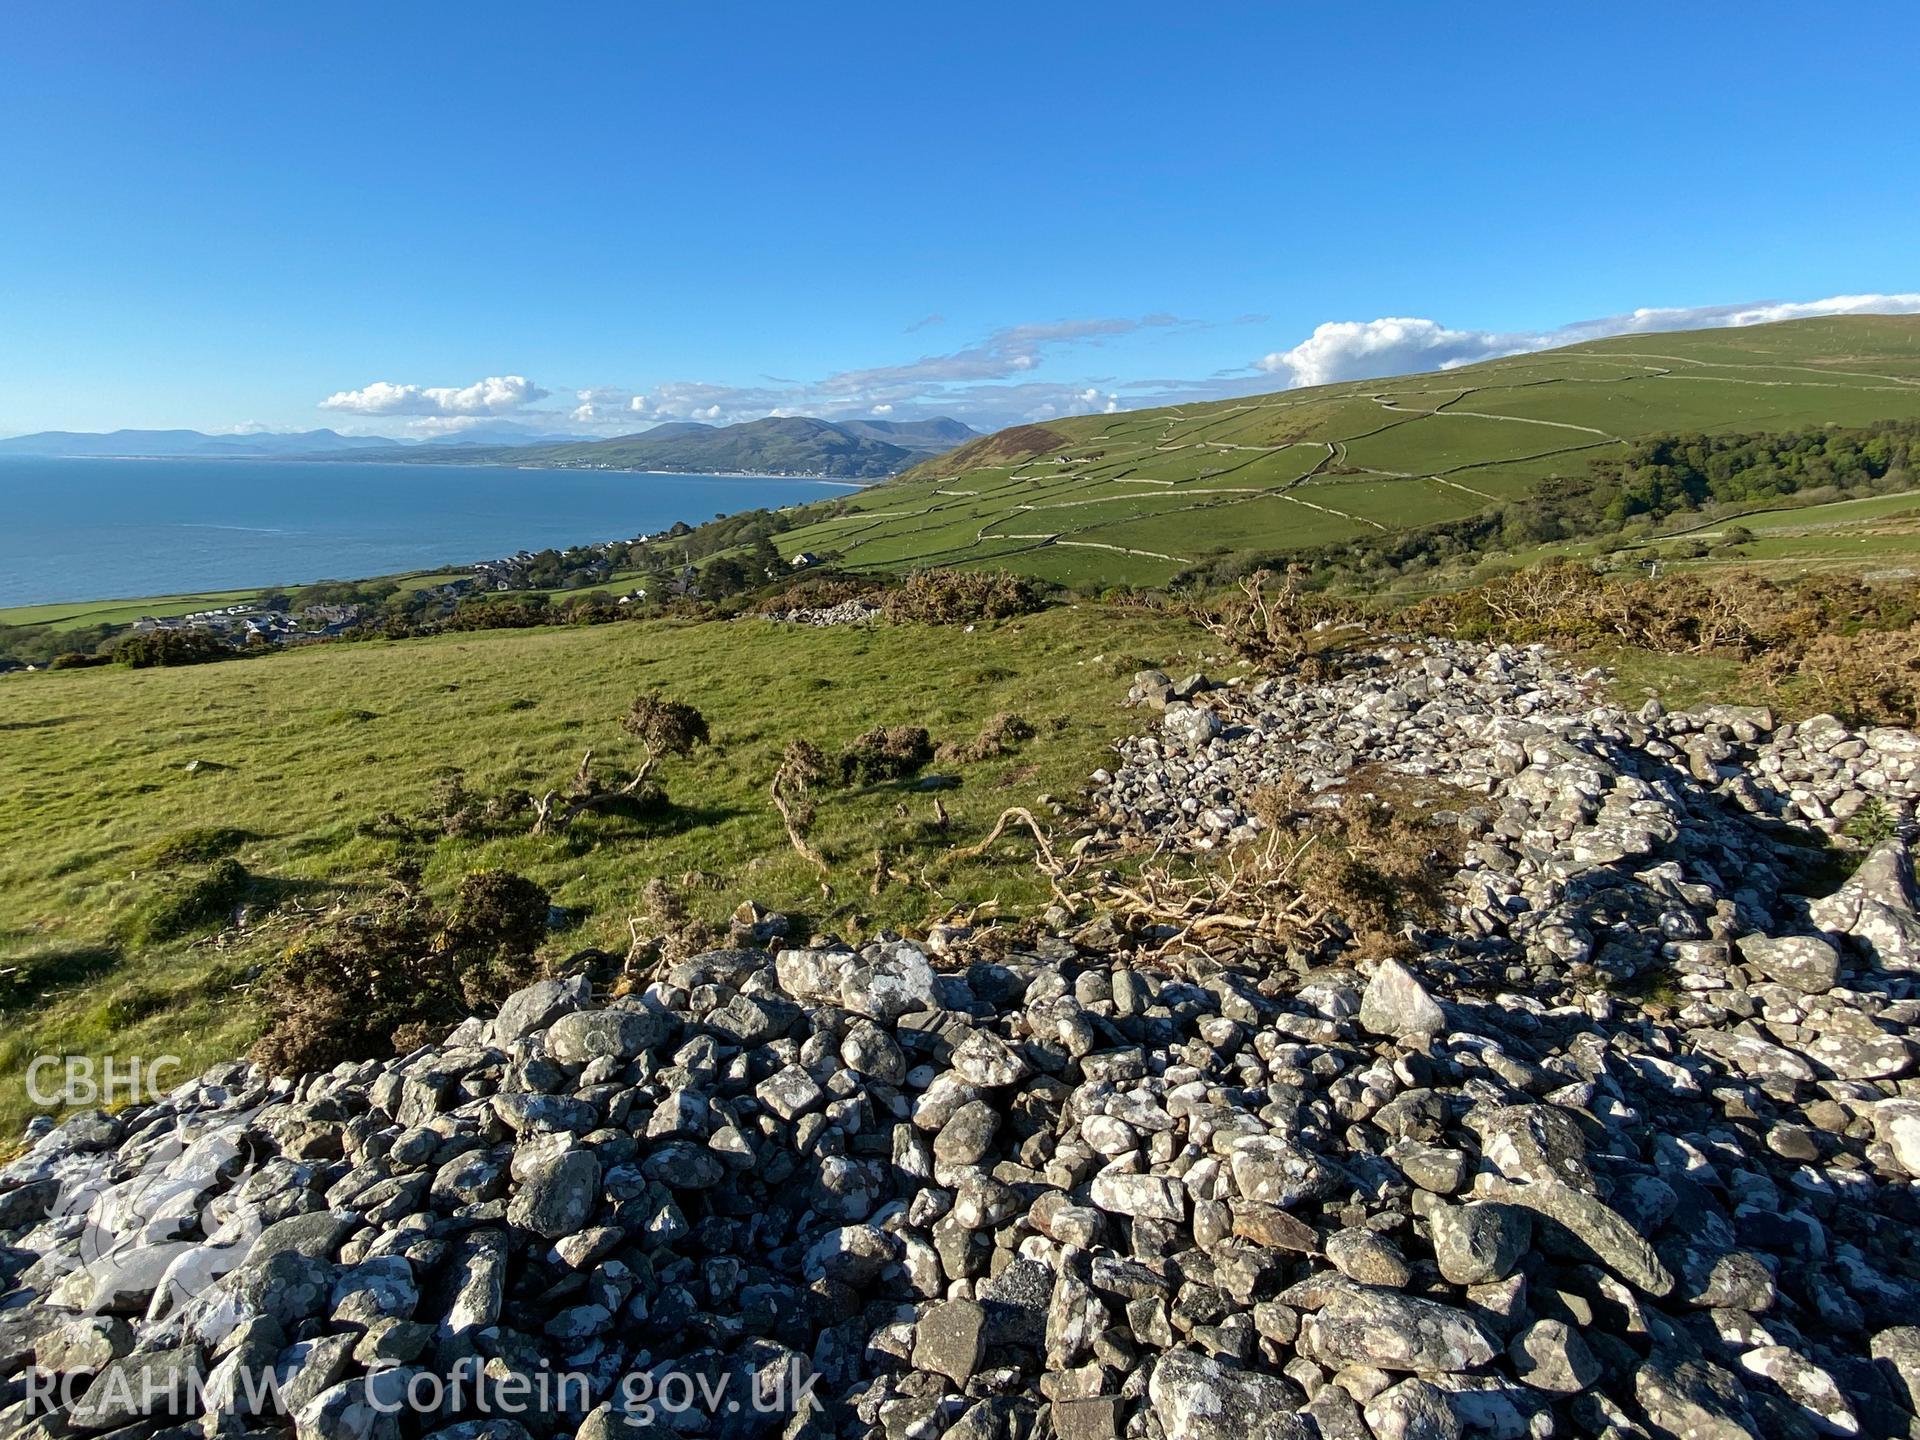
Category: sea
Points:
column 88, row 529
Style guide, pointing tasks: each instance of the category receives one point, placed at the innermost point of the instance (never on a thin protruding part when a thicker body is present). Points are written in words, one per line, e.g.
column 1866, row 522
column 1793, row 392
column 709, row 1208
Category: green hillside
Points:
column 1139, row 496
column 297, row 756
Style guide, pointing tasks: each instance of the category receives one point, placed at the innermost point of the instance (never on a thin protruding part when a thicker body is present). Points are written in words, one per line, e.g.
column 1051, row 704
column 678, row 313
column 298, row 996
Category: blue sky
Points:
column 592, row 217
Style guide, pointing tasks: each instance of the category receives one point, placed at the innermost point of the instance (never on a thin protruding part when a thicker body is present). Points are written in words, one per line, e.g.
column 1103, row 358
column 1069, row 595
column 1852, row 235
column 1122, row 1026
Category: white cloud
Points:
column 603, row 406
column 1392, row 345
column 1039, row 372
column 987, row 383
column 1398, row 345
column 495, row 395
column 431, row 425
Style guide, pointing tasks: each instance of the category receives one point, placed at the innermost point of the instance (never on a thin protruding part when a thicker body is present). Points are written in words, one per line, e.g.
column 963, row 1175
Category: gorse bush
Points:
column 454, row 810
column 1002, row 735
column 665, row 727
column 495, row 914
column 963, row 597
column 359, row 986
column 1826, row 642
column 1379, row 871
column 1872, row 676
column 821, row 591
column 1271, row 625
column 886, row 752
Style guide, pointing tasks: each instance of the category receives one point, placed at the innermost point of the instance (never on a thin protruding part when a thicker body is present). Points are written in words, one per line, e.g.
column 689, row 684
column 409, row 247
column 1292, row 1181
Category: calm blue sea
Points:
column 110, row 529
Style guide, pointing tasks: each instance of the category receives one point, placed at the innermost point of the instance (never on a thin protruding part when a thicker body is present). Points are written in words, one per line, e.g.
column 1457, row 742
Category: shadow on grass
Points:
column 29, row 978
column 270, row 891
column 652, row 821
column 44, row 723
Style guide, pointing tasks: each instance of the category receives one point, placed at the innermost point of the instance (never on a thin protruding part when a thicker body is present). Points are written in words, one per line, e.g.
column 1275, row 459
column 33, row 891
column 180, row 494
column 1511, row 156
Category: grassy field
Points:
column 304, row 751
column 120, row 612
column 1874, row 538
column 301, row 749
column 75, row 614
column 1135, row 497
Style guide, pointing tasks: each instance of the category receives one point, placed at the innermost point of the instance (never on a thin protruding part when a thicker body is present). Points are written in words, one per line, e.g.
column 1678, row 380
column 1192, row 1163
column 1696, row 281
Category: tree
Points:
column 663, row 727
column 171, row 647
column 724, row 576
column 764, row 559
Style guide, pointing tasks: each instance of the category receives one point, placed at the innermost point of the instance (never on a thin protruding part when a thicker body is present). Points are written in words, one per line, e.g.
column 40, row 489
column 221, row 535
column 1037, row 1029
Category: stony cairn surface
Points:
column 1002, row 1192
column 845, row 612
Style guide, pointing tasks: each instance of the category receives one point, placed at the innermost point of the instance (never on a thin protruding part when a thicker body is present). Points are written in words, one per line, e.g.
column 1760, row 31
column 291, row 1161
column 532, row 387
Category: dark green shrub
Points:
column 886, row 752
column 359, row 986
column 665, row 727
column 171, row 647
column 496, row 911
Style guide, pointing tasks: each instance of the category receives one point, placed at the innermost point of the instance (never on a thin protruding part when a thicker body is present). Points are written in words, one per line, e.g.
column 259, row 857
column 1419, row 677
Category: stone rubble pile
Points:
column 1004, row 1190
column 1475, row 716
column 846, row 612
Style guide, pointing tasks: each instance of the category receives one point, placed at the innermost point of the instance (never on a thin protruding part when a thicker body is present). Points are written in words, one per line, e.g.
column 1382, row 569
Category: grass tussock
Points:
column 198, row 845
column 184, row 904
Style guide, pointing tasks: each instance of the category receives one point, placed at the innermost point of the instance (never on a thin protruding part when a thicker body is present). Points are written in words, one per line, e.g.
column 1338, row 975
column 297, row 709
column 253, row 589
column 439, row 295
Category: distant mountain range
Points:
column 781, row 445
column 119, row 444
column 793, row 445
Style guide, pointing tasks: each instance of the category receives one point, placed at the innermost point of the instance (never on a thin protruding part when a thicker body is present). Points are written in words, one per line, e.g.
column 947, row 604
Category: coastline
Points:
column 348, row 459
column 267, row 506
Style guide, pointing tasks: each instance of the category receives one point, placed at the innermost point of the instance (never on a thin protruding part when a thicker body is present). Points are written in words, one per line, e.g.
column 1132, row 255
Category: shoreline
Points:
column 78, row 612
column 468, row 465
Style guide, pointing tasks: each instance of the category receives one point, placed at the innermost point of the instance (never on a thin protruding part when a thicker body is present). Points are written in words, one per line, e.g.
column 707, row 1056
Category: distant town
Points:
column 276, row 619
